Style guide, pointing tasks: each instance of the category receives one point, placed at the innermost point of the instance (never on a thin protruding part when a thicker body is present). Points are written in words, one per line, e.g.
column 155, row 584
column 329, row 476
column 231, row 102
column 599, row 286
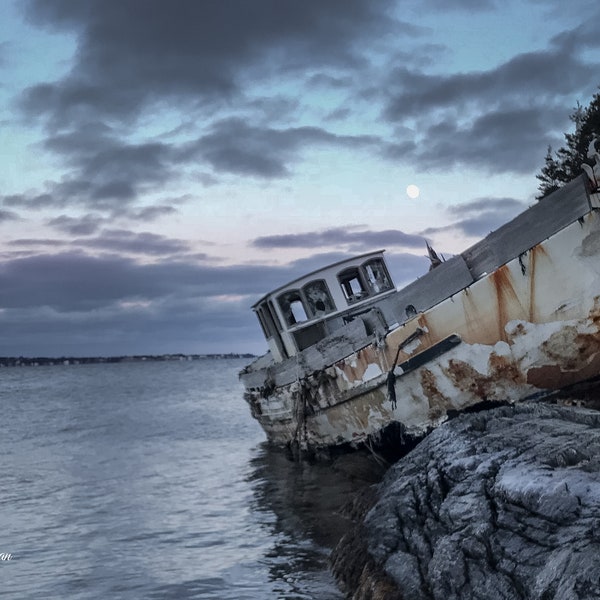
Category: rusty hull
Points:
column 532, row 325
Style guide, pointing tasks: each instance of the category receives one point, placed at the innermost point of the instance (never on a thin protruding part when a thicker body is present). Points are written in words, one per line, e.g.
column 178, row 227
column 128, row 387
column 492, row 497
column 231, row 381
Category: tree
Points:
column 565, row 164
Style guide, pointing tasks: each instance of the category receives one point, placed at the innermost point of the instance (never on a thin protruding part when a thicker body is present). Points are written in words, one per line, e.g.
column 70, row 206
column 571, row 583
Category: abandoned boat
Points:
column 515, row 315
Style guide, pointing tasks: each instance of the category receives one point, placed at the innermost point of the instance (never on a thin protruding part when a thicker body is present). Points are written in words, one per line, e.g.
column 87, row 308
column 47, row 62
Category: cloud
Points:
column 341, row 236
column 110, row 174
column 162, row 327
column 150, row 213
column 73, row 303
column 8, row 215
column 242, row 90
column 497, row 142
column 458, row 5
column 105, row 167
column 478, row 217
column 233, row 146
column 86, row 225
column 74, row 280
column 497, row 120
column 136, row 53
column 36, row 242
column 129, row 242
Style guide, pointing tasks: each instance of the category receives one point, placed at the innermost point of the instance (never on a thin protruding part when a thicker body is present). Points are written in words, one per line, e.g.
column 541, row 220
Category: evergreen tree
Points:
column 565, row 164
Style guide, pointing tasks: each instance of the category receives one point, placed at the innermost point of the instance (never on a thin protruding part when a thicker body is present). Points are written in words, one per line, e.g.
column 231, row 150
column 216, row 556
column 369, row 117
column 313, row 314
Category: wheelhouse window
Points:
column 352, row 284
column 273, row 313
column 318, row 298
column 266, row 320
column 377, row 276
column 292, row 307
column 263, row 323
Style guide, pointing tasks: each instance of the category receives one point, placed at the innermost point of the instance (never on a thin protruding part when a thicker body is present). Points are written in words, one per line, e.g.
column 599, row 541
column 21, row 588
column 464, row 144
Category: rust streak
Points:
column 507, row 301
column 438, row 402
column 574, row 356
column 467, row 379
column 503, row 368
column 534, row 255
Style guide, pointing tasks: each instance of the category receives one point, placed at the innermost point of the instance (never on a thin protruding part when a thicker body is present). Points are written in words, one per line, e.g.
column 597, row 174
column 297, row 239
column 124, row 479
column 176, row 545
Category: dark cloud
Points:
column 537, row 76
column 36, row 242
column 129, row 242
column 86, row 225
column 169, row 326
column 497, row 142
column 478, row 217
column 234, row 146
column 499, row 205
column 339, row 114
column 33, row 200
column 500, row 120
column 74, row 303
column 110, row 174
column 8, row 215
column 341, row 236
column 105, row 167
column 78, row 281
column 330, row 81
column 103, row 172
column 459, row 5
column 135, row 53
column 150, row 213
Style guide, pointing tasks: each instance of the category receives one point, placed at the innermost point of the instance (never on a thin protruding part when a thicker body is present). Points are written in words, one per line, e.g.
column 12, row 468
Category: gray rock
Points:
column 501, row 504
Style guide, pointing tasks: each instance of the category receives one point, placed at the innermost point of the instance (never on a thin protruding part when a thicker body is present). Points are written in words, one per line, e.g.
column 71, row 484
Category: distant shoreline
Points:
column 40, row 361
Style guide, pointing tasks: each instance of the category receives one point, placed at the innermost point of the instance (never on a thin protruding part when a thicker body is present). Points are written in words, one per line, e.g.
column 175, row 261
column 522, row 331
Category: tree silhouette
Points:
column 565, row 164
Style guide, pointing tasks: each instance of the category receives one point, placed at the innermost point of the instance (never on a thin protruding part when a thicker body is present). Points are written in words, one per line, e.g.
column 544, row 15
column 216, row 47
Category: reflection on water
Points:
column 300, row 504
column 145, row 480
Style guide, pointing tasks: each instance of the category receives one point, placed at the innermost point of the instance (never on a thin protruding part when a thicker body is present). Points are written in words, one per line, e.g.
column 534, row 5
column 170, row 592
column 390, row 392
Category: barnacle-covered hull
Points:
column 515, row 316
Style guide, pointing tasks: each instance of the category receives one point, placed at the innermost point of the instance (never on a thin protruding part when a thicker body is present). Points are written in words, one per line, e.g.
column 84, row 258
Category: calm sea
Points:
column 151, row 480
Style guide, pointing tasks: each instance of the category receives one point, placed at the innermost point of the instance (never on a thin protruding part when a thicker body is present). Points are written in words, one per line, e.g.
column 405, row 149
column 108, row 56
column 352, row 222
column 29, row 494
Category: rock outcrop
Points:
column 502, row 504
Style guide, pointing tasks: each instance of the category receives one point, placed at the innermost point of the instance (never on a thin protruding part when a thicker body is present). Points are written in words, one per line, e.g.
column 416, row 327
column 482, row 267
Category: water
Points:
column 150, row 480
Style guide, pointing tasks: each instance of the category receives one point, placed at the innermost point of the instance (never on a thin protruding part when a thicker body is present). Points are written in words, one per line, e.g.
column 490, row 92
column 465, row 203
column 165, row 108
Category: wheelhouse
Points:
column 299, row 314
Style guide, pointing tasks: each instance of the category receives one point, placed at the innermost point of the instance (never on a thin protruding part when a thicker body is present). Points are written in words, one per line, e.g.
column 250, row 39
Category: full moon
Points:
column 412, row 191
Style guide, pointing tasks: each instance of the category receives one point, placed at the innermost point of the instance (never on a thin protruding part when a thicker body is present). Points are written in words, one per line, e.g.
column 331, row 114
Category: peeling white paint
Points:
column 412, row 346
column 372, row 371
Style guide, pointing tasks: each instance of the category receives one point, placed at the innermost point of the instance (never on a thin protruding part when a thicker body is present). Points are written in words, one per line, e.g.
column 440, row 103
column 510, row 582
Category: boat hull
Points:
column 529, row 327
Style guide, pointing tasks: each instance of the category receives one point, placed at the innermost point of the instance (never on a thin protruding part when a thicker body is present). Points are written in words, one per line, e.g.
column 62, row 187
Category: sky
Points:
column 164, row 164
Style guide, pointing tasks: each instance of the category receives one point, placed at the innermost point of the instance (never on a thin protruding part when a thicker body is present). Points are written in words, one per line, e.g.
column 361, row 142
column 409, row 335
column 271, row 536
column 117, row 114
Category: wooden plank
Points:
column 536, row 224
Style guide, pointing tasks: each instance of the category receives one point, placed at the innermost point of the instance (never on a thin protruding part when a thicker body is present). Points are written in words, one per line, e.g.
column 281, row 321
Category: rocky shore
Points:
column 501, row 504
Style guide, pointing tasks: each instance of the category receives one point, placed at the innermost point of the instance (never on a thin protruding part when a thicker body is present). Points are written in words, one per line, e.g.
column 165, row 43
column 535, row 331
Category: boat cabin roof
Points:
column 300, row 281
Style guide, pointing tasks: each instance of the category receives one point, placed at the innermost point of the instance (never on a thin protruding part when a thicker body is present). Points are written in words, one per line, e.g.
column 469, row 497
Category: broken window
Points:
column 292, row 307
column 262, row 321
column 352, row 285
column 266, row 320
column 377, row 276
column 273, row 312
column 318, row 298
